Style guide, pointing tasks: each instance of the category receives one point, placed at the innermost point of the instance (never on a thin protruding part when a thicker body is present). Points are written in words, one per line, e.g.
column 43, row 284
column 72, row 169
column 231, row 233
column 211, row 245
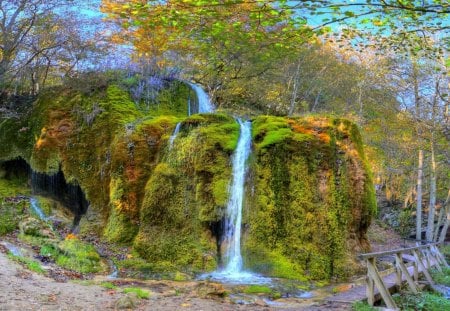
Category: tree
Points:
column 220, row 41
column 41, row 40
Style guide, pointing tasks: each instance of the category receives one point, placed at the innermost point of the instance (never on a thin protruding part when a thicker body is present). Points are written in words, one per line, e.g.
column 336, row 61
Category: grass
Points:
column 11, row 212
column 108, row 285
column 362, row 306
column 257, row 289
column 441, row 277
column 421, row 302
column 28, row 263
column 140, row 293
column 78, row 256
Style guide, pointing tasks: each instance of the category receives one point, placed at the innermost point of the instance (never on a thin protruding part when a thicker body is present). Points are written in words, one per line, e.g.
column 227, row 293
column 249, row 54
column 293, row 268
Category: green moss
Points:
column 172, row 100
column 311, row 184
column 11, row 211
column 257, row 289
column 140, row 293
column 79, row 256
column 120, row 228
column 311, row 189
column 28, row 263
column 108, row 285
column 186, row 192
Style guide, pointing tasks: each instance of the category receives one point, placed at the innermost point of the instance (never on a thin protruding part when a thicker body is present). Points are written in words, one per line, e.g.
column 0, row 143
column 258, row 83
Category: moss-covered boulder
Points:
column 309, row 199
column 313, row 198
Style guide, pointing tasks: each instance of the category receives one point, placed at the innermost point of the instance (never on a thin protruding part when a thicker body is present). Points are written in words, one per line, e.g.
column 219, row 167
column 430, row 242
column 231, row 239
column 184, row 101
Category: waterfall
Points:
column 233, row 271
column 233, row 221
column 204, row 103
column 174, row 135
column 204, row 106
column 37, row 209
column 55, row 186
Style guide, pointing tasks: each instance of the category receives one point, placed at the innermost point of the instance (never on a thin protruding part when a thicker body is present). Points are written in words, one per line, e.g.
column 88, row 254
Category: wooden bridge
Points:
column 379, row 285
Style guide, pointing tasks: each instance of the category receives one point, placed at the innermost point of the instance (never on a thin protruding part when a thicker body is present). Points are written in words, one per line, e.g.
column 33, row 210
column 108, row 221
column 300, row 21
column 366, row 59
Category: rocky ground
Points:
column 60, row 289
column 21, row 289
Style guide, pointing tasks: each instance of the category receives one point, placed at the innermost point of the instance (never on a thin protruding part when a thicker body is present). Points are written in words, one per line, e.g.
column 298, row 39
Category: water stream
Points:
column 204, row 103
column 174, row 135
column 233, row 271
column 13, row 249
column 37, row 209
column 204, row 106
column 233, row 221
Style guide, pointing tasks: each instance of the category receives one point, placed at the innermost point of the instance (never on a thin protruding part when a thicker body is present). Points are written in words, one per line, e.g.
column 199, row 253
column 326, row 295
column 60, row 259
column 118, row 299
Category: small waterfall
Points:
column 114, row 270
column 233, row 222
column 55, row 186
column 204, row 103
column 174, row 135
column 233, row 270
column 37, row 209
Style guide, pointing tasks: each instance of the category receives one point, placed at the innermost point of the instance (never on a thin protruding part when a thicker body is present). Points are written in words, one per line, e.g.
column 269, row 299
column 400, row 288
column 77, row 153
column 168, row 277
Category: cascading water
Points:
column 174, row 135
column 37, row 209
column 234, row 208
column 204, row 103
column 13, row 249
column 204, row 106
column 233, row 271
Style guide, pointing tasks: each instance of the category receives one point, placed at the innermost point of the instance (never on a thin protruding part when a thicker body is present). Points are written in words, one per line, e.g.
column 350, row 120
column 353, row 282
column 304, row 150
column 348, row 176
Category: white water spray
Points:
column 174, row 135
column 204, row 103
column 37, row 209
column 233, row 271
column 234, row 209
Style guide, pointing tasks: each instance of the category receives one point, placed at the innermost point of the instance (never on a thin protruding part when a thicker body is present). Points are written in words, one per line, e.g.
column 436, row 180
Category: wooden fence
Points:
column 421, row 259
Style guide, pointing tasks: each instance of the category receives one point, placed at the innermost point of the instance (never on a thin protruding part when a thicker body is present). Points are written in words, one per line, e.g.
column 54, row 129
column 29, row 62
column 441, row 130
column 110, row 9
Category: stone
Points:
column 210, row 290
column 129, row 301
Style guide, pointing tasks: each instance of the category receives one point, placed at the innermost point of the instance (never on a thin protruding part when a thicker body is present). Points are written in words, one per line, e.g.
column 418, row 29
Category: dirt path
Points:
column 21, row 289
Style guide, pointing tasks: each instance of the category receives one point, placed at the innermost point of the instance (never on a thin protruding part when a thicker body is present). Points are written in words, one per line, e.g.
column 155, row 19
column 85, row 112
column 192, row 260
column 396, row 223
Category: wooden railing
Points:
column 422, row 258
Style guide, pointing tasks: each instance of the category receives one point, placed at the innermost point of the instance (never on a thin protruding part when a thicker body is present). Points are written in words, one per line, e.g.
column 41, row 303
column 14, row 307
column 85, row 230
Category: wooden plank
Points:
column 401, row 266
column 422, row 267
column 373, row 274
column 370, row 294
column 395, row 251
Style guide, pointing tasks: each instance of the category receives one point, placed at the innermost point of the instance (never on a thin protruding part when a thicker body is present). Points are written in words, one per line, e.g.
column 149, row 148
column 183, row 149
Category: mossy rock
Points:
column 313, row 198
column 35, row 227
column 79, row 256
column 310, row 195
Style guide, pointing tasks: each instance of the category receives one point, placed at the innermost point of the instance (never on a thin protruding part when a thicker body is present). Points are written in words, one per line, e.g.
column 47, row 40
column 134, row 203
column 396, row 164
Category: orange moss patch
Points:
column 317, row 128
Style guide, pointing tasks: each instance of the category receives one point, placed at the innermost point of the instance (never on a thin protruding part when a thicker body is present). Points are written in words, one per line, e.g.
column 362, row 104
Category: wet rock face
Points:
column 70, row 195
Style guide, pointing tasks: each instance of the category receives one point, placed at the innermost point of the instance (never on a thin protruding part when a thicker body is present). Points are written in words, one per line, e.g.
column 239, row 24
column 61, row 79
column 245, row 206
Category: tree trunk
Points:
column 432, row 204
column 439, row 223
column 419, row 197
column 447, row 221
column 294, row 91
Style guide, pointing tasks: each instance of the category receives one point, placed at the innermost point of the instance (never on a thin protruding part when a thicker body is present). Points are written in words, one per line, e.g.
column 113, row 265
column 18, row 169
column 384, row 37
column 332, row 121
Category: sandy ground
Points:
column 21, row 289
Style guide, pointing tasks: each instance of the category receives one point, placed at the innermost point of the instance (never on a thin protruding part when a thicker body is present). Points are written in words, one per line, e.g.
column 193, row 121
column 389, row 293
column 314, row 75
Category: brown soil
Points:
column 21, row 289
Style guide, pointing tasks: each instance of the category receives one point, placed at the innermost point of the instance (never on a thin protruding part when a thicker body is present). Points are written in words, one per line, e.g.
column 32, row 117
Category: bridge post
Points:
column 372, row 272
column 401, row 266
column 422, row 266
column 370, row 290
